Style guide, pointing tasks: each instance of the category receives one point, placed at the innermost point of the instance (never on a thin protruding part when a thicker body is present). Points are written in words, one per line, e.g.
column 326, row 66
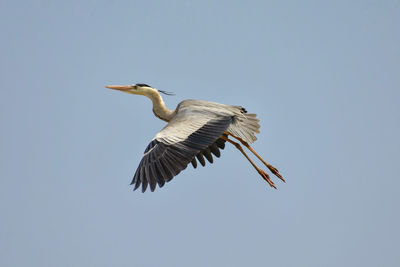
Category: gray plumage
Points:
column 193, row 132
column 196, row 131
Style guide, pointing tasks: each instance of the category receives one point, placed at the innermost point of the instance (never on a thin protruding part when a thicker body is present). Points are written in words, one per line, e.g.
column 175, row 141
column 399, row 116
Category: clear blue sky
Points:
column 323, row 77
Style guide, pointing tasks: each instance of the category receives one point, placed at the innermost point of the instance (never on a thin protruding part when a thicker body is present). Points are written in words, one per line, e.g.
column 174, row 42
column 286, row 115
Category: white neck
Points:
column 159, row 108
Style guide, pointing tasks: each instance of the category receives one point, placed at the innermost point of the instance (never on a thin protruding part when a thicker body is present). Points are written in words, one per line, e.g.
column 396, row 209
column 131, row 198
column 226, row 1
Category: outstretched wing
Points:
column 191, row 131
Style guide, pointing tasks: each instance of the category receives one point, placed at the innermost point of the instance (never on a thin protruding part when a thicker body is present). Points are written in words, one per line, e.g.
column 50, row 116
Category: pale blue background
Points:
column 323, row 77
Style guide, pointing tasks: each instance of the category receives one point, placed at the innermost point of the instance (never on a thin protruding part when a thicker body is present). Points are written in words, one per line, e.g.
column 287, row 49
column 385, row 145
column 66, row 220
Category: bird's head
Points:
column 137, row 89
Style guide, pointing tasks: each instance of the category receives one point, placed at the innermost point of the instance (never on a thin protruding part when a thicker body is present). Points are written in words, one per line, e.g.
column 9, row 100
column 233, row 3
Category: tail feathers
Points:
column 245, row 127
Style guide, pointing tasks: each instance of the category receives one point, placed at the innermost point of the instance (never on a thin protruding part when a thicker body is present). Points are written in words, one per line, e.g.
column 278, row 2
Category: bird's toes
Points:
column 265, row 176
column 275, row 172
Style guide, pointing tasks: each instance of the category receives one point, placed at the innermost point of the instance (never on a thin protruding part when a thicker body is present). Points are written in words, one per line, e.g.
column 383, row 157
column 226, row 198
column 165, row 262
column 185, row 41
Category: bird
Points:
column 195, row 130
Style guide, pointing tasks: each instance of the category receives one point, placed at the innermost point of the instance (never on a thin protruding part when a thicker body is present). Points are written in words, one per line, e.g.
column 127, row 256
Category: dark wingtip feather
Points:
column 144, row 184
column 152, row 180
column 158, row 174
column 207, row 154
column 220, row 143
column 201, row 159
column 214, row 149
column 194, row 163
column 138, row 182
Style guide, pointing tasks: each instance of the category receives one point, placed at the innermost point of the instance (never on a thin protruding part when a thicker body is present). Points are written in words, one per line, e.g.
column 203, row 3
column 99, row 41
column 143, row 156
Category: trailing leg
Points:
column 263, row 174
column 269, row 166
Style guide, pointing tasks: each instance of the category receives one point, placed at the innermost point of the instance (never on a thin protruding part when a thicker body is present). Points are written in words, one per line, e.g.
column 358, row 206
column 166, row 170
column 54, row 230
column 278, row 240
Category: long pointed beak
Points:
column 119, row 87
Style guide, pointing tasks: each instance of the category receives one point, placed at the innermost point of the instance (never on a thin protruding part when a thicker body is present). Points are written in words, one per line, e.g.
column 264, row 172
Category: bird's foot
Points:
column 276, row 172
column 265, row 176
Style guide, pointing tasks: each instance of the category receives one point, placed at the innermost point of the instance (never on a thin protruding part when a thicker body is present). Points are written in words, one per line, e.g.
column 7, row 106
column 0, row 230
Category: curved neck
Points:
column 159, row 108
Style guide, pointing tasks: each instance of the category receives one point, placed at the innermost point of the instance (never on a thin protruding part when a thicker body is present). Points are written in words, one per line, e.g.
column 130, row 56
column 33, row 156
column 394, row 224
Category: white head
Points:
column 138, row 89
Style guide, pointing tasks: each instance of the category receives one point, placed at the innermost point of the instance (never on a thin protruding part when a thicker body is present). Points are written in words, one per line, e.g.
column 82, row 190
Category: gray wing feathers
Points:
column 168, row 154
column 244, row 125
column 193, row 133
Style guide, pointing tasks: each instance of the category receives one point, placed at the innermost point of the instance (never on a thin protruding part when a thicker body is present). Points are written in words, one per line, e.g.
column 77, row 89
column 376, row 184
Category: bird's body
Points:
column 197, row 113
column 195, row 129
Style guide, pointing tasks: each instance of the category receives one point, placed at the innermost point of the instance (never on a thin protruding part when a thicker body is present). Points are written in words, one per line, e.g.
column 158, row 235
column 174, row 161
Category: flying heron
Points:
column 195, row 129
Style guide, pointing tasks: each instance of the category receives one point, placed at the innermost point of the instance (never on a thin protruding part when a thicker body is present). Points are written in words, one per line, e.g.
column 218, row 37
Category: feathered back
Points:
column 244, row 125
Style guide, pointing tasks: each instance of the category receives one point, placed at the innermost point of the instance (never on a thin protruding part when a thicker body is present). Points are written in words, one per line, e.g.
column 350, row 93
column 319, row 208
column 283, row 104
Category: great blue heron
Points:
column 195, row 129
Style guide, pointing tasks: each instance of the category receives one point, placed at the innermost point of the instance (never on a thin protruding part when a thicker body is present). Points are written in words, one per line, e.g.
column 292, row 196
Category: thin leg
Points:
column 263, row 174
column 269, row 166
